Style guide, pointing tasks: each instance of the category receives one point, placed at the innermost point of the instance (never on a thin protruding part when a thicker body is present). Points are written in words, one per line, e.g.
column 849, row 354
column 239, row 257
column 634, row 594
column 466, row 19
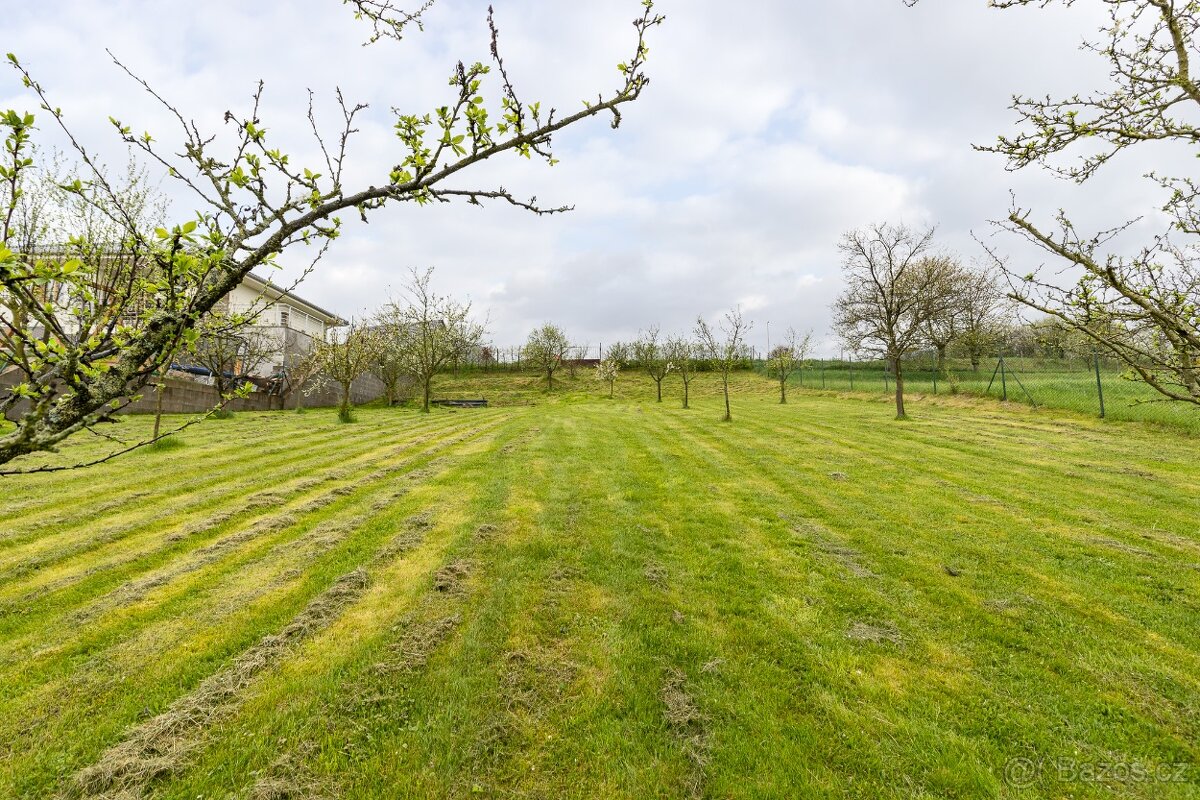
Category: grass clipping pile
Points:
column 160, row 746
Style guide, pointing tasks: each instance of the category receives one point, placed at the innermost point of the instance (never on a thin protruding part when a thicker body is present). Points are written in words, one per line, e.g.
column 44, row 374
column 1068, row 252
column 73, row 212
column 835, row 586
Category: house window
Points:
column 284, row 317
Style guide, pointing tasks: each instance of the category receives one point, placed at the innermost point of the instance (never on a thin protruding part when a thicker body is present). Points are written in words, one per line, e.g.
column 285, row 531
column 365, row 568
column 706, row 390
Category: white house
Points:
column 287, row 319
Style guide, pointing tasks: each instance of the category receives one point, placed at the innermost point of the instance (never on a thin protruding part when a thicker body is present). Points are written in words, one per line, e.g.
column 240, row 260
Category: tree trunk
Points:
column 941, row 357
column 550, row 380
column 659, row 382
column 725, row 384
column 685, row 393
column 158, row 410
column 782, row 389
column 899, row 375
column 344, row 410
column 425, row 406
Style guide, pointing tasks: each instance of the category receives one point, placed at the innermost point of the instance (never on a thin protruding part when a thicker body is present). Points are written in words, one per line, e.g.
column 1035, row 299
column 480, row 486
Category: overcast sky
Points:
column 768, row 129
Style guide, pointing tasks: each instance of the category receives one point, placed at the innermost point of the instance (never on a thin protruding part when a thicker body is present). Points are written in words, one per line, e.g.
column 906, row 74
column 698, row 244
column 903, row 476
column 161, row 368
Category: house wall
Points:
column 290, row 328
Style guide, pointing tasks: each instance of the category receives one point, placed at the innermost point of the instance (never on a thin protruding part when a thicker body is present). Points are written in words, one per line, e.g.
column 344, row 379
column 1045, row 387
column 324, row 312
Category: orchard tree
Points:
column 725, row 346
column 789, row 356
column 252, row 205
column 344, row 357
column 387, row 361
column 650, row 354
column 428, row 331
column 606, row 372
column 620, row 353
column 682, row 353
column 943, row 328
column 546, row 348
column 893, row 289
column 983, row 313
column 1141, row 307
column 300, row 369
column 230, row 346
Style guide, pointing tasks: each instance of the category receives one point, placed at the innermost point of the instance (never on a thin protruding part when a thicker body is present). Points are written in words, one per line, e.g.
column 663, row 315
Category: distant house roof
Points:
column 275, row 292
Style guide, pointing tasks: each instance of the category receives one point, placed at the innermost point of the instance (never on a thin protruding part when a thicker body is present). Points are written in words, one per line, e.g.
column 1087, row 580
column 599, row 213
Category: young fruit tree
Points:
column 254, row 205
column 682, row 354
column 388, row 362
column 983, row 311
column 426, row 331
column 650, row 354
column 545, row 349
column 894, row 286
column 230, row 347
column 725, row 346
column 787, row 357
column 606, row 372
column 344, row 357
column 1140, row 305
column 620, row 353
column 300, row 373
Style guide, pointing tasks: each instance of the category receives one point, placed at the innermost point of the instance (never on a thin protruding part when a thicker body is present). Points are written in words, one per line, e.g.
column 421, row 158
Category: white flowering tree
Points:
column 607, row 372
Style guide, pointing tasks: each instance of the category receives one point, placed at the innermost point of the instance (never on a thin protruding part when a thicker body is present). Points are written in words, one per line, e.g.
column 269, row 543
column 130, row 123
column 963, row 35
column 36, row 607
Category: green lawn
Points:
column 575, row 597
column 1068, row 384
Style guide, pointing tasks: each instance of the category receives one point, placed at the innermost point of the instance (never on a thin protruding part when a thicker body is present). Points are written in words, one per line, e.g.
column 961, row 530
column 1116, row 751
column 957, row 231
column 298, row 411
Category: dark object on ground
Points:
column 480, row 403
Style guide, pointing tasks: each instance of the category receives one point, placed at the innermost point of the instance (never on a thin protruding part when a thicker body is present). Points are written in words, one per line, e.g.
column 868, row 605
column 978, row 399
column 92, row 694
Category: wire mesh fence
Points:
column 1086, row 384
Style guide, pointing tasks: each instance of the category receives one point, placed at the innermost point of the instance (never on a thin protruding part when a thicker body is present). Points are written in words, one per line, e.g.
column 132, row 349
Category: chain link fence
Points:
column 1087, row 384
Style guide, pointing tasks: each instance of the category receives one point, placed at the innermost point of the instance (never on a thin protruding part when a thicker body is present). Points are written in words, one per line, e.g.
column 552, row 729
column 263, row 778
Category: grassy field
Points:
column 575, row 597
column 1051, row 383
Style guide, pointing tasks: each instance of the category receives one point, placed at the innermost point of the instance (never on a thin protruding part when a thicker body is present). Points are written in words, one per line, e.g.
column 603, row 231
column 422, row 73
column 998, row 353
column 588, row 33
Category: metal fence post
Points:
column 1003, row 381
column 1099, row 386
column 822, row 376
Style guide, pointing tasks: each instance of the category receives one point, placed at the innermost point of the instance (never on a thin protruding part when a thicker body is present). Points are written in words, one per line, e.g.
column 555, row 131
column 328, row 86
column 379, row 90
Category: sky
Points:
column 767, row 131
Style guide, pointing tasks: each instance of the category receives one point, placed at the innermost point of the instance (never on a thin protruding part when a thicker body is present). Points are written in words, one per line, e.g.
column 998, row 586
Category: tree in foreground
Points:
column 253, row 204
column 682, row 354
column 344, row 357
column 425, row 332
column 787, row 357
column 650, row 354
column 724, row 346
column 1139, row 305
column 546, row 349
column 606, row 372
column 894, row 287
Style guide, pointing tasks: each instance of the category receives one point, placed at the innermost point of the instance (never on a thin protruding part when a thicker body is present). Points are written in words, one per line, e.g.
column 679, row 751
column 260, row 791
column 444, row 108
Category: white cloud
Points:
column 768, row 130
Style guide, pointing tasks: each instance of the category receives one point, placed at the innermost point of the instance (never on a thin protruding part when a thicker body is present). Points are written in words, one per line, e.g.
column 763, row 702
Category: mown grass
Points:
column 567, row 596
column 1068, row 384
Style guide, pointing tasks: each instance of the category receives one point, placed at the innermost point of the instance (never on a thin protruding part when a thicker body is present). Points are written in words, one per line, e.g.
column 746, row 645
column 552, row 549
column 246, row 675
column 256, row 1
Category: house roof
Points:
column 274, row 291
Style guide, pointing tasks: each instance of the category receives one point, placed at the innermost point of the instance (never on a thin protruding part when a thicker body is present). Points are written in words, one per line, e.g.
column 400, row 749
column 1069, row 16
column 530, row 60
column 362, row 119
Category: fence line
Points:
column 1086, row 383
